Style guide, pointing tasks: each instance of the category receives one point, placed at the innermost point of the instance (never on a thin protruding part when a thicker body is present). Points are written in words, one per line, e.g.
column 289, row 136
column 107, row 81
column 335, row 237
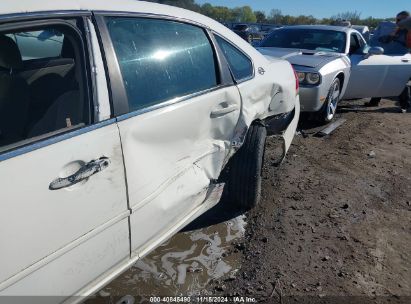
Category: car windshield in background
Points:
column 240, row 27
column 307, row 39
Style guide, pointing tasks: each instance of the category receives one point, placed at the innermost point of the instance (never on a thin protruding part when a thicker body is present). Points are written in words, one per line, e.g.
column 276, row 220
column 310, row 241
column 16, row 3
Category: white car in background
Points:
column 335, row 63
column 116, row 121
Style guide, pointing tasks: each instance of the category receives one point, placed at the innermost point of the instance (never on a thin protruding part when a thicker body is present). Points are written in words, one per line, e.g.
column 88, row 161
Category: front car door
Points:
column 177, row 111
column 64, row 214
column 375, row 75
column 398, row 73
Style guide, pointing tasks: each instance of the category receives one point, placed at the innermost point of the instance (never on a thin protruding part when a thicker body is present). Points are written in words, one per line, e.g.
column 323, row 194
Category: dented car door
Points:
column 176, row 118
column 64, row 213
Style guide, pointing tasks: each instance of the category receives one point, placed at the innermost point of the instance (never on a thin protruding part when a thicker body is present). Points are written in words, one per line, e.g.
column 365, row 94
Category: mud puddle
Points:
column 183, row 265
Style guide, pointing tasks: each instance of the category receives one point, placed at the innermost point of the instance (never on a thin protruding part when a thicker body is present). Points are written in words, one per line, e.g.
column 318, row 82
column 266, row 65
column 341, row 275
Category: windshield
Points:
column 308, row 39
column 240, row 27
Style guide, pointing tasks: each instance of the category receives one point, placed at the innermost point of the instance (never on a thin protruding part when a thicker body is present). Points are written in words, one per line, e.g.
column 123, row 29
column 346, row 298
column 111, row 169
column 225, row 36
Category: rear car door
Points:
column 64, row 214
column 375, row 75
column 176, row 114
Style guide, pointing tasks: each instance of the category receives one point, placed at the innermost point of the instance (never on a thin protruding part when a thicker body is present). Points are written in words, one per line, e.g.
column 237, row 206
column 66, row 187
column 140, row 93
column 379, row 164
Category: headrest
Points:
column 67, row 50
column 10, row 56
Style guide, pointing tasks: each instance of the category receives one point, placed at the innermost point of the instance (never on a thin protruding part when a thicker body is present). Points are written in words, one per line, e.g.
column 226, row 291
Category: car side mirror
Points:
column 375, row 50
column 372, row 51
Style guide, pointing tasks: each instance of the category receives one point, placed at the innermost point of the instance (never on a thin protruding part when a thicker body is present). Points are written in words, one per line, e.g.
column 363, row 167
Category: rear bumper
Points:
column 279, row 123
column 284, row 125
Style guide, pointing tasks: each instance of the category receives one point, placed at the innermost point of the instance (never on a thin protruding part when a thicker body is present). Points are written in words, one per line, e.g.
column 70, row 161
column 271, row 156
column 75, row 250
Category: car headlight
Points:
column 313, row 78
column 301, row 76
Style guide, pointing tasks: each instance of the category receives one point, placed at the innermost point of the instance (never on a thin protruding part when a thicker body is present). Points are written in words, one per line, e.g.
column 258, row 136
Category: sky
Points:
column 322, row 8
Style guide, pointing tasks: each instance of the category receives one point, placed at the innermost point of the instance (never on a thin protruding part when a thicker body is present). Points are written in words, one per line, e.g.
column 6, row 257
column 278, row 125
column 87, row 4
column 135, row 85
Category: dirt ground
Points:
column 334, row 224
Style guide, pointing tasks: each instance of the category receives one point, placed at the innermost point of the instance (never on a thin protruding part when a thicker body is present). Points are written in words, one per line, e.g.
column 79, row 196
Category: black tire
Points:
column 325, row 115
column 245, row 168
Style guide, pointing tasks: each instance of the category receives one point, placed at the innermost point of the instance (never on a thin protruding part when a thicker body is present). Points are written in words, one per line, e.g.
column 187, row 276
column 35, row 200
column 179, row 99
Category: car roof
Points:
column 29, row 6
column 344, row 29
column 10, row 8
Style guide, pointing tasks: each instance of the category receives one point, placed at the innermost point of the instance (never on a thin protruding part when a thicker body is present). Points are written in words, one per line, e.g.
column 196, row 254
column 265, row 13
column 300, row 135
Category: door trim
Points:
column 42, row 15
column 169, row 103
column 55, row 138
column 116, row 86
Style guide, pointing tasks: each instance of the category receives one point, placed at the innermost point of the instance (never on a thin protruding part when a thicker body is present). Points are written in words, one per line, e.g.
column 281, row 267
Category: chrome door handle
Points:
column 83, row 173
column 225, row 110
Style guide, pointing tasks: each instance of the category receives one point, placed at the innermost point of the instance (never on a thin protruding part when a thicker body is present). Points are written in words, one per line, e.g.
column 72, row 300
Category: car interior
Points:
column 355, row 45
column 39, row 94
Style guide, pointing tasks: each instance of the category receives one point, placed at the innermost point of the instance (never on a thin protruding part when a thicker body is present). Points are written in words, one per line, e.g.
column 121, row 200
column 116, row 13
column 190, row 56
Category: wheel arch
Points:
column 243, row 171
column 341, row 77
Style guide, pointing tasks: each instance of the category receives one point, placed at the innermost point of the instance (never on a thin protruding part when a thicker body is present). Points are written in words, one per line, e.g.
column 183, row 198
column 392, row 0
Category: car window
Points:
column 360, row 41
column 40, row 98
column 307, row 39
column 39, row 44
column 355, row 45
column 395, row 47
column 240, row 65
column 161, row 60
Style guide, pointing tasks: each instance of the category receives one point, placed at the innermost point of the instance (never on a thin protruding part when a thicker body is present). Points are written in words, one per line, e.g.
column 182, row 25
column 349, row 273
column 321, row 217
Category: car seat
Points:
column 47, row 88
column 65, row 112
column 68, row 108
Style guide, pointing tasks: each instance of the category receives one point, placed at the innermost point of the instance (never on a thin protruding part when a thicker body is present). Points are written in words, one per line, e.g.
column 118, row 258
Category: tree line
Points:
column 246, row 14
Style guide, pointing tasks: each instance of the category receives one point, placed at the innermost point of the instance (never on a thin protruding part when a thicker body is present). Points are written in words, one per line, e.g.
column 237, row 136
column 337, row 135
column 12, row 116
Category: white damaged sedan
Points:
column 116, row 122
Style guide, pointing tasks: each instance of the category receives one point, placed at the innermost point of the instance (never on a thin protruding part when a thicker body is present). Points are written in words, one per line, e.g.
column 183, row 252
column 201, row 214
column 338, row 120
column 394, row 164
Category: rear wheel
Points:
column 329, row 108
column 245, row 169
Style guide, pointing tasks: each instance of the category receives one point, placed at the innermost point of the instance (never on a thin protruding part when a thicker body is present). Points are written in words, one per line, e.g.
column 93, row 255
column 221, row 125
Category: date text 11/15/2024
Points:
column 203, row 299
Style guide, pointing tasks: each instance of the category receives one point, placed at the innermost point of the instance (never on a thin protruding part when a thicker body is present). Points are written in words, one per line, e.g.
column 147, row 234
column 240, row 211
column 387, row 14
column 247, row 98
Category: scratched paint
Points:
column 182, row 266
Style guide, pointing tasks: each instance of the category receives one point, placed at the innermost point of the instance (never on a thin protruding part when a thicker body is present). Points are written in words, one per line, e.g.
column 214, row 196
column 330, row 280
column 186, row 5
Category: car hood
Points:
column 308, row 58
